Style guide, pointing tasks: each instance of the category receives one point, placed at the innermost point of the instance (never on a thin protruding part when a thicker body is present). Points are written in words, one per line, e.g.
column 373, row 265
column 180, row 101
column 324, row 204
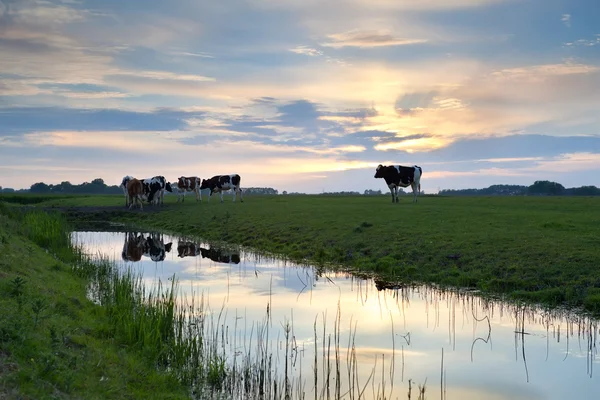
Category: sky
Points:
column 300, row 95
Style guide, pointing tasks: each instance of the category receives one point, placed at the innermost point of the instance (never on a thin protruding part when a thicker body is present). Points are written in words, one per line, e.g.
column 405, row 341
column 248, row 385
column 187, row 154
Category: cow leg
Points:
column 415, row 191
column 221, row 192
column 241, row 197
column 396, row 192
column 234, row 190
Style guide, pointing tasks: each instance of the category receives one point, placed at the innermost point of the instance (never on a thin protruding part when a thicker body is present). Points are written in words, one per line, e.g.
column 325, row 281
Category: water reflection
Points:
column 151, row 246
column 216, row 254
column 364, row 337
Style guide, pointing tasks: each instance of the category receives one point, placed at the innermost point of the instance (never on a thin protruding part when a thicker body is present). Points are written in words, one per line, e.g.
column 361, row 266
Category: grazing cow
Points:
column 399, row 176
column 135, row 191
column 154, row 189
column 188, row 184
column 123, row 186
column 155, row 247
column 133, row 248
column 187, row 249
column 220, row 256
column 221, row 183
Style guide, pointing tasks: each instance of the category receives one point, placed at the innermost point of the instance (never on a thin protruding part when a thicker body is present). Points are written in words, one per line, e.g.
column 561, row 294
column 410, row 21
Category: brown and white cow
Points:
column 135, row 192
column 188, row 184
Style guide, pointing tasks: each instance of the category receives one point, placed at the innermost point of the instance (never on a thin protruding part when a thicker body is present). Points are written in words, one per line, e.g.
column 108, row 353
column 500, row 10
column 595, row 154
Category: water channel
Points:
column 457, row 344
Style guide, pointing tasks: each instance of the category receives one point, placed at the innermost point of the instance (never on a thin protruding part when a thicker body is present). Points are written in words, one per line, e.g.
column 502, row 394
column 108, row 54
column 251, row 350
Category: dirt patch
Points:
column 113, row 210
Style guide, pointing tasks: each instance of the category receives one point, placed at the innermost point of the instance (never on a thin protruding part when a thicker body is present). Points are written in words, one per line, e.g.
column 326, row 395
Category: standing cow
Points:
column 188, row 184
column 123, row 186
column 221, row 183
column 135, row 192
column 154, row 189
column 400, row 176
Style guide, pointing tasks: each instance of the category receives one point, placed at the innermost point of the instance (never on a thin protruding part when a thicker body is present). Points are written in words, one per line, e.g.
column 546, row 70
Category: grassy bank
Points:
column 54, row 342
column 543, row 249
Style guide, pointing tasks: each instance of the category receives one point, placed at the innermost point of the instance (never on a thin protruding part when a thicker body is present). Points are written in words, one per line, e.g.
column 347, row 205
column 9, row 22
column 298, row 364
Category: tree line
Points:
column 539, row 188
column 98, row 186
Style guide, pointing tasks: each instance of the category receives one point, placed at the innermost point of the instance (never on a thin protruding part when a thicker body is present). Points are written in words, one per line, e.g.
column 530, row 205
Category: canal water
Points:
column 362, row 338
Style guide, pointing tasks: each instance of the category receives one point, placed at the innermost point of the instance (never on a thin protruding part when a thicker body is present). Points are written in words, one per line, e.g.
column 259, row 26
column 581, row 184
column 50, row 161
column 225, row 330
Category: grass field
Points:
column 54, row 342
column 544, row 249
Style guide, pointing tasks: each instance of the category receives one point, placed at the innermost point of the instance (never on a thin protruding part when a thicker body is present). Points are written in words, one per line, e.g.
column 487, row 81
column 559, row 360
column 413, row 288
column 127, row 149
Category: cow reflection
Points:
column 187, row 249
column 152, row 246
column 220, row 256
column 190, row 249
column 133, row 248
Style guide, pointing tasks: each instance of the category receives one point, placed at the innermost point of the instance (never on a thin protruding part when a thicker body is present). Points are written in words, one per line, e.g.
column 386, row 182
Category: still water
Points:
column 458, row 345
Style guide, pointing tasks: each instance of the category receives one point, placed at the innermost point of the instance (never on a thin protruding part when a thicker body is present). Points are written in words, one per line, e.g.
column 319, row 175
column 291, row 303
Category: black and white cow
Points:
column 154, row 189
column 220, row 256
column 400, row 176
column 123, row 186
column 155, row 247
column 221, row 183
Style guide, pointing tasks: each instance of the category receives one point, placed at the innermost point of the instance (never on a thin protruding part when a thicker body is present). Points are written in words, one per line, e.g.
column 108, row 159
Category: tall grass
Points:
column 50, row 231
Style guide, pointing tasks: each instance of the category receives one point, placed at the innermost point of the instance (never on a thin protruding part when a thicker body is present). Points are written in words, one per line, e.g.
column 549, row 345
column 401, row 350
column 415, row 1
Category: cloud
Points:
column 29, row 119
column 585, row 42
column 358, row 38
column 411, row 103
column 307, row 51
column 566, row 19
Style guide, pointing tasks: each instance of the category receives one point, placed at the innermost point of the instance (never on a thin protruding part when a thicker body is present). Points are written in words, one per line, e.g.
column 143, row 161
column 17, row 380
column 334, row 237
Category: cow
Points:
column 155, row 247
column 220, row 256
column 188, row 184
column 133, row 248
column 221, row 183
column 135, row 191
column 123, row 186
column 154, row 189
column 187, row 249
column 400, row 176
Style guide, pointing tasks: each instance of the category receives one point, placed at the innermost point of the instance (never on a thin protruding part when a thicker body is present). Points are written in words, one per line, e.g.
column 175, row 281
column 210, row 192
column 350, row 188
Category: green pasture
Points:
column 54, row 342
column 543, row 249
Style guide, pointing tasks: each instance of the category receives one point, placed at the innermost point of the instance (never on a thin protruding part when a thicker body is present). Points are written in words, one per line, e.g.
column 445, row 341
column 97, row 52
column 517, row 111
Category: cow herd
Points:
column 153, row 247
column 153, row 189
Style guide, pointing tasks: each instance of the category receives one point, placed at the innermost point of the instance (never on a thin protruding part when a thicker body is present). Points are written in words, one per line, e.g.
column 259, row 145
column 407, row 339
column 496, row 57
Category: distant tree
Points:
column 285, row 192
column 39, row 187
column 546, row 188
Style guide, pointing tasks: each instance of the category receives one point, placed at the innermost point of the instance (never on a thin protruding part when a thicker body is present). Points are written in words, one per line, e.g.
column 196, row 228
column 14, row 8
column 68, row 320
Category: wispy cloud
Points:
column 307, row 51
column 585, row 42
column 566, row 19
column 357, row 38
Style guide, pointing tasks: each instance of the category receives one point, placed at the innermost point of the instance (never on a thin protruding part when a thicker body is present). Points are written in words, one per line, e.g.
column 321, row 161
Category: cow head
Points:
column 379, row 171
column 168, row 187
column 205, row 184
